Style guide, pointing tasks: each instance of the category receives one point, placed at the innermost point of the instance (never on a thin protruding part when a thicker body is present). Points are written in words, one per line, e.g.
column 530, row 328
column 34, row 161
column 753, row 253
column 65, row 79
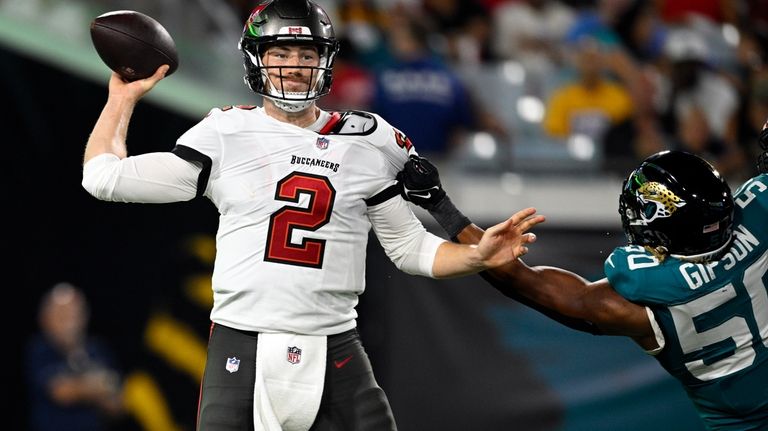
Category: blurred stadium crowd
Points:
column 609, row 80
column 522, row 85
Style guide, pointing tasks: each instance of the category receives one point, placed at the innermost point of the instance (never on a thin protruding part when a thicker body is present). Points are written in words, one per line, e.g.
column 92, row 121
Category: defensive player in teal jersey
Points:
column 691, row 288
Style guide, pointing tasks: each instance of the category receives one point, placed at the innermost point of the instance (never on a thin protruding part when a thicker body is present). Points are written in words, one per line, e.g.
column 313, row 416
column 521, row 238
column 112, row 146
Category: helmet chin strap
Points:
column 291, row 105
column 706, row 257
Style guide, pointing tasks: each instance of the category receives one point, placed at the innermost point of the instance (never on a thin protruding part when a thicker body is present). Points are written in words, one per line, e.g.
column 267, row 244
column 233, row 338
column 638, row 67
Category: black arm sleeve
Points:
column 449, row 217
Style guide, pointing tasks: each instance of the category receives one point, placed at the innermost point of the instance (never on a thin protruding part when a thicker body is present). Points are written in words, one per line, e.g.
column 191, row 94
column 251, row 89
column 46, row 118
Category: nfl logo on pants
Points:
column 294, row 355
column 233, row 364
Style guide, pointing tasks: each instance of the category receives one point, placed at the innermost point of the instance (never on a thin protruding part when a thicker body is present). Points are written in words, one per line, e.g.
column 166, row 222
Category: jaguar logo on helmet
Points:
column 658, row 201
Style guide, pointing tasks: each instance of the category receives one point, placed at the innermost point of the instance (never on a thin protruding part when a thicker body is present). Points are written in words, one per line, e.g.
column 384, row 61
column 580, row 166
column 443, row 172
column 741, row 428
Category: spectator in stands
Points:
column 757, row 112
column 598, row 20
column 361, row 22
column 463, row 29
column 695, row 136
column 531, row 32
column 423, row 97
column 700, row 94
column 585, row 108
column 627, row 138
column 72, row 378
column 641, row 30
column 680, row 11
column 748, row 76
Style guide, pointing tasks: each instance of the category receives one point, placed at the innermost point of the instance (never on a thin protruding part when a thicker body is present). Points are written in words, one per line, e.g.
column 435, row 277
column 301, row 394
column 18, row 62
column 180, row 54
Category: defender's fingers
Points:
column 522, row 249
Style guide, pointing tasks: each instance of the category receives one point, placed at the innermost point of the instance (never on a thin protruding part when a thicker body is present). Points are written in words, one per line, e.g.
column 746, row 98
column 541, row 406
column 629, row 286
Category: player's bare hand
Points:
column 508, row 240
column 135, row 90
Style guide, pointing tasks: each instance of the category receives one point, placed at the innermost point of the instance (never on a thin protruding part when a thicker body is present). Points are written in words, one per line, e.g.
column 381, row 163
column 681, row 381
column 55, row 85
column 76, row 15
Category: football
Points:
column 133, row 44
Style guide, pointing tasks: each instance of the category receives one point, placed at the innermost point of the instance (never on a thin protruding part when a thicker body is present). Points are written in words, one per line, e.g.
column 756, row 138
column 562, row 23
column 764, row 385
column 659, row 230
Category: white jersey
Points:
column 293, row 203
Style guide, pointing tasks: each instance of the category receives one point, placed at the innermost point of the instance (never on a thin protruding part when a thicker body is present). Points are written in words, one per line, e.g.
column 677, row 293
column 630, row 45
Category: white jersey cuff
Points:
column 405, row 240
column 660, row 341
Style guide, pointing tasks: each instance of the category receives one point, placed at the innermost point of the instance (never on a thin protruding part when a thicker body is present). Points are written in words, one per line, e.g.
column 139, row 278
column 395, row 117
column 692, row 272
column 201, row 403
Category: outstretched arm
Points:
column 561, row 295
column 570, row 296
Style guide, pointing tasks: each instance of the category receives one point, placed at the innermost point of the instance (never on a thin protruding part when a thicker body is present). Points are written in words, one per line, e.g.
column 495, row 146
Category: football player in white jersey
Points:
column 298, row 190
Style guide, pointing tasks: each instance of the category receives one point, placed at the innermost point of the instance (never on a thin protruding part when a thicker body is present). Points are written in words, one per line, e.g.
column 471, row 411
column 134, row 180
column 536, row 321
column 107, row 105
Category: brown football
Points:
column 133, row 44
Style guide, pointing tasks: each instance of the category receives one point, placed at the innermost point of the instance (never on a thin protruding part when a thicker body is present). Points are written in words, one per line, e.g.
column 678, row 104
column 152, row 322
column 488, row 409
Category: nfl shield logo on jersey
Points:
column 233, row 364
column 294, row 355
column 322, row 143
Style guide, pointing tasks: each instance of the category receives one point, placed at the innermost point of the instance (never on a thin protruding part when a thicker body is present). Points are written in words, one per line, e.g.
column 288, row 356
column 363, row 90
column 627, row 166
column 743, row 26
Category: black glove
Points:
column 420, row 183
column 763, row 138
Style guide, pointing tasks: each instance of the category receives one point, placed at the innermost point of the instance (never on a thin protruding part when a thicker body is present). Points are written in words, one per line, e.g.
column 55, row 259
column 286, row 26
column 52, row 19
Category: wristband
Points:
column 449, row 217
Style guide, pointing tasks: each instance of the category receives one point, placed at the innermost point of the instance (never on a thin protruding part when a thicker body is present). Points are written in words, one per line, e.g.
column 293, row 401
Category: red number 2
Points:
column 282, row 223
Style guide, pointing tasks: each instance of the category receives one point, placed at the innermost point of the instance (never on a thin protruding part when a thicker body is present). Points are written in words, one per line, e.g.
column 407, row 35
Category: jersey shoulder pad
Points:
column 624, row 270
column 391, row 138
column 231, row 119
column 205, row 136
column 754, row 189
column 752, row 205
column 350, row 123
column 229, row 110
column 757, row 183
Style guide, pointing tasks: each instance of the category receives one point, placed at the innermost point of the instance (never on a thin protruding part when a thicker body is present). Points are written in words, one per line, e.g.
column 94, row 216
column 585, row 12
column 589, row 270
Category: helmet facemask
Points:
column 258, row 76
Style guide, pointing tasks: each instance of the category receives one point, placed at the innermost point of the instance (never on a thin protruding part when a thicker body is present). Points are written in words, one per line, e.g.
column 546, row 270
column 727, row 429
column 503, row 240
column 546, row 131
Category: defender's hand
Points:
column 420, row 183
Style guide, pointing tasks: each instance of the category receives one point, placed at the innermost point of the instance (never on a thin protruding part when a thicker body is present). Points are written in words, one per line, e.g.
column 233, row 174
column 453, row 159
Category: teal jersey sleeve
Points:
column 639, row 276
column 751, row 199
column 620, row 269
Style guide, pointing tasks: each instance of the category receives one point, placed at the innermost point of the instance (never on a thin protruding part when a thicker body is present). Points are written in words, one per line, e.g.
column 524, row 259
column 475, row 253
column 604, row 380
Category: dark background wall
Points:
column 451, row 354
column 128, row 258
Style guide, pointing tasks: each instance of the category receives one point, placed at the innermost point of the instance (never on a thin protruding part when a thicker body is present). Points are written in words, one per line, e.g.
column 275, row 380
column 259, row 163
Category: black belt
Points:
column 351, row 333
